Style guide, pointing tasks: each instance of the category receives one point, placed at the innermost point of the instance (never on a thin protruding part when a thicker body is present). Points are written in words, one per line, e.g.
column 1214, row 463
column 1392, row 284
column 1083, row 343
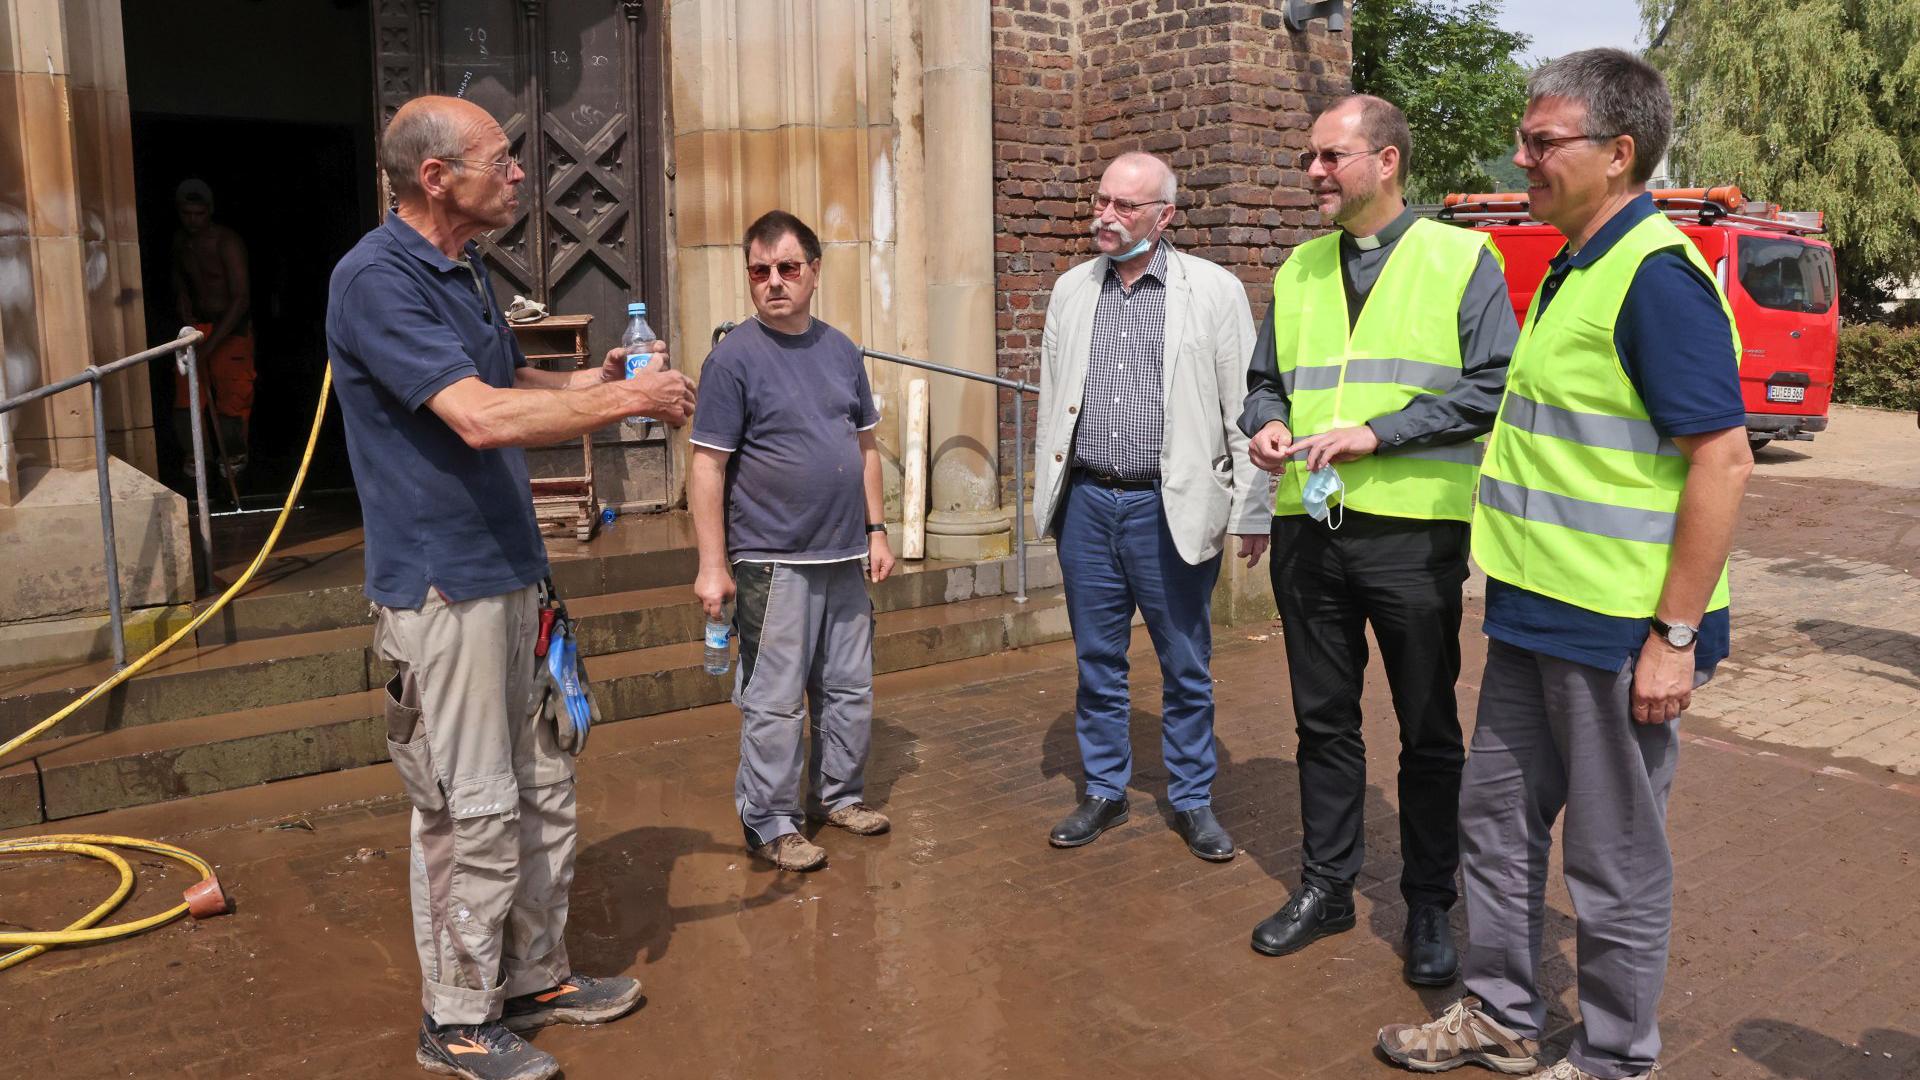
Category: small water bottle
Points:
column 719, row 640
column 637, row 341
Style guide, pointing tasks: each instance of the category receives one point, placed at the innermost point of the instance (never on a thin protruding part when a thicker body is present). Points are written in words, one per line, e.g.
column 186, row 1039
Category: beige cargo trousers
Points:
column 493, row 801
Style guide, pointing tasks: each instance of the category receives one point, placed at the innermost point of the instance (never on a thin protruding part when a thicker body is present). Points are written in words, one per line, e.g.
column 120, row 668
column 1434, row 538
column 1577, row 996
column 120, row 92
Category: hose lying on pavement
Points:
column 206, row 898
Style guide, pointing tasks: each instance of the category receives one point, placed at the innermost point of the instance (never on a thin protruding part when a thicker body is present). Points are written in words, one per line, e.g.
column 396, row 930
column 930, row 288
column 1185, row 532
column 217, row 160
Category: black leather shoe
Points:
column 1312, row 913
column 1092, row 817
column 1431, row 957
column 1204, row 834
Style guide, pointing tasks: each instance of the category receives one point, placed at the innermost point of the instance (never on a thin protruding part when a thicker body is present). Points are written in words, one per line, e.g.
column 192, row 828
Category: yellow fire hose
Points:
column 206, row 898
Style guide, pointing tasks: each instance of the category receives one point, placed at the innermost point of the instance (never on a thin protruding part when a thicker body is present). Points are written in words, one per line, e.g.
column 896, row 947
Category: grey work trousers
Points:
column 1553, row 735
column 493, row 802
column 806, row 653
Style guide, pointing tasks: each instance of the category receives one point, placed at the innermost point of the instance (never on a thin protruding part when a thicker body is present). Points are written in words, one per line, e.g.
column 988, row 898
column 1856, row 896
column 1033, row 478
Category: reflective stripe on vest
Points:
column 1406, row 343
column 1579, row 493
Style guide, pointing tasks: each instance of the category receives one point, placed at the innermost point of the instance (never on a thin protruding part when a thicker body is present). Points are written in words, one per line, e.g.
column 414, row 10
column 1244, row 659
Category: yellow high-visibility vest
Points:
column 1579, row 492
column 1405, row 343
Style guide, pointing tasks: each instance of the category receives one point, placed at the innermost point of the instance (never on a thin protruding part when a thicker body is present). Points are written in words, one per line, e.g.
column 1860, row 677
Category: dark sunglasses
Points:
column 1331, row 160
column 759, row 272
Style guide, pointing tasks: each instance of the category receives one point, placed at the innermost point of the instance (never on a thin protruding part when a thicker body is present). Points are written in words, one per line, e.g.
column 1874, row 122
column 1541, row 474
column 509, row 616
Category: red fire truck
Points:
column 1777, row 274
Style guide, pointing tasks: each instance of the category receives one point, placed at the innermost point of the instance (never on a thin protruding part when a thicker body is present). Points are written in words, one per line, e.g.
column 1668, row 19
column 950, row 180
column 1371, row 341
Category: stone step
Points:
column 318, row 585
column 322, row 590
column 67, row 777
column 276, row 670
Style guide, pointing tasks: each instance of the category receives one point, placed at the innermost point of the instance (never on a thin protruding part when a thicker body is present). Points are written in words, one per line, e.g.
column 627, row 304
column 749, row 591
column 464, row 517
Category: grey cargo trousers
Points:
column 806, row 653
column 493, row 802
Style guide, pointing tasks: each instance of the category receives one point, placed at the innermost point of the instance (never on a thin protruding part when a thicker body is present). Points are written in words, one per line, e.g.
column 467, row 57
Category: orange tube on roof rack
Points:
column 1500, row 198
column 1727, row 195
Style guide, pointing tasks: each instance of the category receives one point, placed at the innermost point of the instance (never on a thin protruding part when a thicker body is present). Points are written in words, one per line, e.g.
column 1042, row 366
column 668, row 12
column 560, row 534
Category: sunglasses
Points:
column 759, row 272
column 1330, row 160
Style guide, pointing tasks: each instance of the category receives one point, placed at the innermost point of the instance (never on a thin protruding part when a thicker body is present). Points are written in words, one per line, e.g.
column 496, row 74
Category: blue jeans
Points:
column 1115, row 555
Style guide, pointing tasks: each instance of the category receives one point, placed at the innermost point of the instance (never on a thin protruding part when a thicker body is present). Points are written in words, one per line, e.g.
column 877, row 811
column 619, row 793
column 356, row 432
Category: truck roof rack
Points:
column 1704, row 206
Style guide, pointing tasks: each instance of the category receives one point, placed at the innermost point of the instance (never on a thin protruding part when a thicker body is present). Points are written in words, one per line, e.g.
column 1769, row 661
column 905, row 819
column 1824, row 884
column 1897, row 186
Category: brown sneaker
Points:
column 1463, row 1035
column 859, row 819
column 791, row 851
column 1567, row 1070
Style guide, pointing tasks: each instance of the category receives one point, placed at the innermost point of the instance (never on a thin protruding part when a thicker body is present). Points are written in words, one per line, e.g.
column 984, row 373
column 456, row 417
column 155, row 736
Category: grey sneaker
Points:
column 859, row 819
column 1463, row 1035
column 791, row 851
column 578, row 999
column 481, row 1052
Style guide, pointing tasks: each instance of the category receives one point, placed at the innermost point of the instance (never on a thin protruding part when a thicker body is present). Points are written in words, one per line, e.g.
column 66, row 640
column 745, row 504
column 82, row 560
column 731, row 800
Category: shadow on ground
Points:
column 1895, row 648
column 1797, row 1053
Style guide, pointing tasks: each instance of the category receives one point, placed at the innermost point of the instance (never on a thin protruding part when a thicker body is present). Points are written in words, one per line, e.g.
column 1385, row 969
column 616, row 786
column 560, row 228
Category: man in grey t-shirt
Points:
column 785, row 495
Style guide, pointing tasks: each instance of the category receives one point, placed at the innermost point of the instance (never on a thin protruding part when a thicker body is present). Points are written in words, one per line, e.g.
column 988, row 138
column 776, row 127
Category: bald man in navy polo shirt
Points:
column 438, row 401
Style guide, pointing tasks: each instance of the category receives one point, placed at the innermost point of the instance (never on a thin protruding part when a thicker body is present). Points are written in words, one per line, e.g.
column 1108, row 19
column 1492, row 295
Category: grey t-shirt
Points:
column 788, row 408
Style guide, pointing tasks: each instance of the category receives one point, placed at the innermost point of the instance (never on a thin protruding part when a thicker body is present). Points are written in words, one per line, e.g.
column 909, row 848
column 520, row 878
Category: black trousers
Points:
column 1403, row 577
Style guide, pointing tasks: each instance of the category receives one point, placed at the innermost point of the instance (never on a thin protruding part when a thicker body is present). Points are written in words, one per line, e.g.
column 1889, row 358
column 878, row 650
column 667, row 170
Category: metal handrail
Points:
column 1019, row 437
column 181, row 348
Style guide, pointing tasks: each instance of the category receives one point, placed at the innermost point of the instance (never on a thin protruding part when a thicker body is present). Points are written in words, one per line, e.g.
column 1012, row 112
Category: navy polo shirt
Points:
column 403, row 323
column 1674, row 341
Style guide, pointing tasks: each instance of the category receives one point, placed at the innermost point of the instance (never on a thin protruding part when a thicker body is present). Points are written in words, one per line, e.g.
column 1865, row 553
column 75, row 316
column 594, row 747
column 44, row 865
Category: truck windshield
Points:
column 1786, row 274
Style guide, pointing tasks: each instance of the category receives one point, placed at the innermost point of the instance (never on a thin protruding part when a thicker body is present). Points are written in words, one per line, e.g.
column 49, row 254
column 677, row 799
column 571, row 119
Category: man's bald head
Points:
column 1148, row 170
column 429, row 127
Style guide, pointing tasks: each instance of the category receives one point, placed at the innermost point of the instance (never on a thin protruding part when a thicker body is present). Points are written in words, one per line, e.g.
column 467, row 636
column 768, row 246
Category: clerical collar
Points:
column 1387, row 233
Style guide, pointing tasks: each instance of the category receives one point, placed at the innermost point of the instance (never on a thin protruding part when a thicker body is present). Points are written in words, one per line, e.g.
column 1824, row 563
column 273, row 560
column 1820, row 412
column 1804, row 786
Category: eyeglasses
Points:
column 787, row 270
column 1123, row 207
column 505, row 164
column 1331, row 160
column 1536, row 147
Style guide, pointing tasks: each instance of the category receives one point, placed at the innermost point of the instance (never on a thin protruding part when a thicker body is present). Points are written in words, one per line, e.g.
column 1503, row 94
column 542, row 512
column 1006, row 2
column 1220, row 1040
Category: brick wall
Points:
column 1219, row 88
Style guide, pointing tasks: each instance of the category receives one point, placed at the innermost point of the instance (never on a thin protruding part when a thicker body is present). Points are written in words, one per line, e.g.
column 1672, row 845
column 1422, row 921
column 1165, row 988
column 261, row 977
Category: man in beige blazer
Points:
column 1141, row 471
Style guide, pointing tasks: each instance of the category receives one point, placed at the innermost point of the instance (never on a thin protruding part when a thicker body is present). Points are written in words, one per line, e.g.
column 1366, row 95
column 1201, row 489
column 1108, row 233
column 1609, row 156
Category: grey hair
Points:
column 1624, row 95
column 1169, row 186
column 413, row 136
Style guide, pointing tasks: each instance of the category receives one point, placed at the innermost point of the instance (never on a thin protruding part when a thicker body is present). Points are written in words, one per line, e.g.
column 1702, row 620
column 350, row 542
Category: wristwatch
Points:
column 1679, row 634
column 873, row 527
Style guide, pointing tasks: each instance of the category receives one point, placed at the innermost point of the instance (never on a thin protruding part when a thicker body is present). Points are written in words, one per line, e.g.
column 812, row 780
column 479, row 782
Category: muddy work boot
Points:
column 791, row 851
column 578, row 999
column 859, row 819
column 1463, row 1035
column 481, row 1052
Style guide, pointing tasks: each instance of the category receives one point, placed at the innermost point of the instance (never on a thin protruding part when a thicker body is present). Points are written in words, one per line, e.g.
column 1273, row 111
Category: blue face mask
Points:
column 1321, row 489
column 1133, row 251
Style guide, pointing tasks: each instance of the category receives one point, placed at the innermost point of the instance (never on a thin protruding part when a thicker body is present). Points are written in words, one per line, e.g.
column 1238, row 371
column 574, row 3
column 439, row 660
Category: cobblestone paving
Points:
column 1826, row 651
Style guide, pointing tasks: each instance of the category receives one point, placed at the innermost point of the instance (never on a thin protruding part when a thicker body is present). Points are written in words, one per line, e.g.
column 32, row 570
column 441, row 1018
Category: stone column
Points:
column 69, row 298
column 69, row 259
column 966, row 520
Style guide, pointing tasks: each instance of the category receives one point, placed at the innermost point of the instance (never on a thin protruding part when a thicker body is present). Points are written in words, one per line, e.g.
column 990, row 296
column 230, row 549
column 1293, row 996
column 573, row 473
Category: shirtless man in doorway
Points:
column 210, row 291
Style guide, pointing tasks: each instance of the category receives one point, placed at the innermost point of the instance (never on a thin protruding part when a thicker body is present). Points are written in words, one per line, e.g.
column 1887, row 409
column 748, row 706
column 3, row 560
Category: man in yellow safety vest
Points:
column 1606, row 508
column 1380, row 364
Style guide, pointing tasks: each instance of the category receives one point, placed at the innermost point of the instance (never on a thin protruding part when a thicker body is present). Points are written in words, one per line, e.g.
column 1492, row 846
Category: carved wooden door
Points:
column 576, row 86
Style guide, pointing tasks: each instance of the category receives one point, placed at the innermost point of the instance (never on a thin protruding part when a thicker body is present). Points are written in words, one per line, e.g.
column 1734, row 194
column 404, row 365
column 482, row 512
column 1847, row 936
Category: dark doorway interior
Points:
column 270, row 104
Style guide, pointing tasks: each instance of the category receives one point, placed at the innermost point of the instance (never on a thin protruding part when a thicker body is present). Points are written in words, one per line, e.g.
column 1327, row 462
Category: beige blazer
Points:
column 1208, row 485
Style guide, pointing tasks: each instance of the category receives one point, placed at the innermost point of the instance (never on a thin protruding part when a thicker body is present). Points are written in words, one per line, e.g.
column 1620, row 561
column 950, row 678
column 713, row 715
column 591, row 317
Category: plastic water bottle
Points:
column 719, row 640
column 638, row 341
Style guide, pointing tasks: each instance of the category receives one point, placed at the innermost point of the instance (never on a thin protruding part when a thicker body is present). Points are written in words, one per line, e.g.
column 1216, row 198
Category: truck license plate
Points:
column 1786, row 393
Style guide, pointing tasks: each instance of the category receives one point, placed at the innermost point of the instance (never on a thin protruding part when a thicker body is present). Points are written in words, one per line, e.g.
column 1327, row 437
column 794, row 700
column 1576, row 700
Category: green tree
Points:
column 1809, row 104
column 1451, row 68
